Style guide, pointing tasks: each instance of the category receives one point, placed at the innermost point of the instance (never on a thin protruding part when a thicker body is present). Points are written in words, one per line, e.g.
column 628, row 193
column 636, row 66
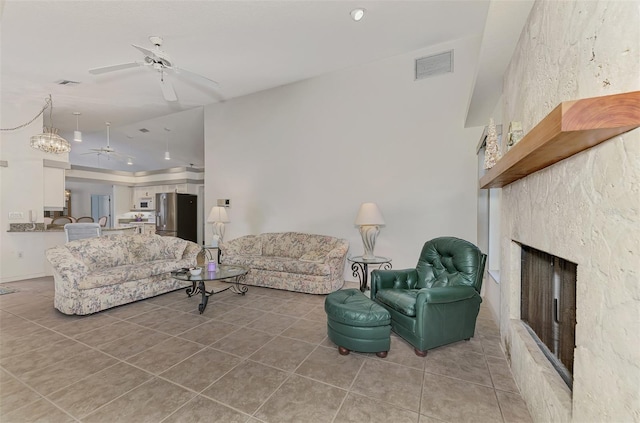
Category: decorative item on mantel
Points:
column 515, row 134
column 492, row 151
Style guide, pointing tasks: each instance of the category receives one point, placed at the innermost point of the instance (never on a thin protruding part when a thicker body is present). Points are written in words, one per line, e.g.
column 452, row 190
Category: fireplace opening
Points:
column 548, row 306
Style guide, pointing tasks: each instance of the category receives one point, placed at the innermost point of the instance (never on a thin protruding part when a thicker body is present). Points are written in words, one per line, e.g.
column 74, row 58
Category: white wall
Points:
column 583, row 209
column 22, row 254
column 81, row 196
column 303, row 157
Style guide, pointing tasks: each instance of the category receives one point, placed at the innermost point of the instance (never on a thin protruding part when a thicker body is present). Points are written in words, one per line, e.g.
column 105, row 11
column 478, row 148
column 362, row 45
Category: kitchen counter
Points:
column 27, row 228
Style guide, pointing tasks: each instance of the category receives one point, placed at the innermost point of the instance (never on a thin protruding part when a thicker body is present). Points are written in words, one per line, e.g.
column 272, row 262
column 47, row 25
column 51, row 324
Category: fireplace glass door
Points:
column 548, row 306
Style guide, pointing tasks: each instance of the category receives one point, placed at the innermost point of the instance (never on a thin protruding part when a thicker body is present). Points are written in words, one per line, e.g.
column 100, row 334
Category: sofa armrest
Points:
column 68, row 267
column 336, row 258
column 388, row 279
column 191, row 252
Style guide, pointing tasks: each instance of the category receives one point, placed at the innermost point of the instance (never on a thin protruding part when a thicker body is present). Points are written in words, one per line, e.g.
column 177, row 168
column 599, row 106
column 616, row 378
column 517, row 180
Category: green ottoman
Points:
column 355, row 323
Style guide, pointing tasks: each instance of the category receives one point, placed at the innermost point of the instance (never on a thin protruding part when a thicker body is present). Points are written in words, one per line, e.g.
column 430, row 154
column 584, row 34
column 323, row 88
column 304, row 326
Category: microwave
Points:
column 145, row 203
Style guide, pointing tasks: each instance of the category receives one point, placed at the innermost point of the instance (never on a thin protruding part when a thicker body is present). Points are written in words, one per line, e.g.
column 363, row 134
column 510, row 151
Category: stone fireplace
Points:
column 585, row 208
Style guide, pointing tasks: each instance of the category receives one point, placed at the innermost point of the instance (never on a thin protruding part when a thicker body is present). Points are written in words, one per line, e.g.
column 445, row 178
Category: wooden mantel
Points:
column 573, row 126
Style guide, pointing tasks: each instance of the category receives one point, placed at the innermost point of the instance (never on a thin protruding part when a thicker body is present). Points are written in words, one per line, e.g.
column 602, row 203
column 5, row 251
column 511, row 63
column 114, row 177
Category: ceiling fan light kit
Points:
column 162, row 63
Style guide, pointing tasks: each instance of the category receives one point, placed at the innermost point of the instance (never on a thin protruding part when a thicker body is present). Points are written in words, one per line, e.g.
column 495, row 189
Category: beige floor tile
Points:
column 273, row 323
column 162, row 356
column 201, row 409
column 179, row 323
column 209, row 332
column 316, row 313
column 39, row 411
column 468, row 366
column 456, row 400
column 491, row 346
column 390, row 382
column 14, row 394
column 514, row 409
column 107, row 333
column 501, row 374
column 201, row 369
column 134, row 343
column 85, row 324
column 127, row 311
column 283, row 353
column 247, row 386
column 307, row 330
column 302, row 400
column 401, row 352
column 66, row 372
column 357, row 409
column 240, row 316
column 293, row 308
column 243, row 342
column 150, row 402
column 87, row 395
column 328, row 366
column 43, row 357
column 10, row 346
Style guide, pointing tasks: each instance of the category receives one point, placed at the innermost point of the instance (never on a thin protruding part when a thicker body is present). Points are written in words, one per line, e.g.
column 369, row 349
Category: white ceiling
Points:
column 247, row 46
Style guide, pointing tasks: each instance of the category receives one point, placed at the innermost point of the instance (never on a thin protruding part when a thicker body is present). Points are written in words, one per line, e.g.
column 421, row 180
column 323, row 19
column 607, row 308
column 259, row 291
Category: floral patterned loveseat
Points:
column 289, row 260
column 94, row 274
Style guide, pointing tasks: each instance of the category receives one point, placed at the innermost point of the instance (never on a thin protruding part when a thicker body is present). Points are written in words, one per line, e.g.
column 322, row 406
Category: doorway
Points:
column 101, row 206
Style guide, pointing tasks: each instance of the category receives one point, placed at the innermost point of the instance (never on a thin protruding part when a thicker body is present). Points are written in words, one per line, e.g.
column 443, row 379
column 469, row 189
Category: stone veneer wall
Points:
column 585, row 209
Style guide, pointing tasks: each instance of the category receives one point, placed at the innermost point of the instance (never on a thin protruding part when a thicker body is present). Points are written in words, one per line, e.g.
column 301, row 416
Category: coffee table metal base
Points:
column 198, row 287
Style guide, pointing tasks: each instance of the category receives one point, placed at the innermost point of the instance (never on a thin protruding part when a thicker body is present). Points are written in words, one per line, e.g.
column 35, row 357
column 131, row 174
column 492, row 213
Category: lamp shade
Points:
column 218, row 214
column 369, row 214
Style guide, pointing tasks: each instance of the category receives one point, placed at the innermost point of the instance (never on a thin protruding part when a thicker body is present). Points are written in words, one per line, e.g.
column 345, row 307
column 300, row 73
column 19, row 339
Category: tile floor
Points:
column 262, row 357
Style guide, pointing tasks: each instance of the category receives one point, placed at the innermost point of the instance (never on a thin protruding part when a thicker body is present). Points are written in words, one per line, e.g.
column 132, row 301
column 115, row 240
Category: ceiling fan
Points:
column 110, row 152
column 161, row 62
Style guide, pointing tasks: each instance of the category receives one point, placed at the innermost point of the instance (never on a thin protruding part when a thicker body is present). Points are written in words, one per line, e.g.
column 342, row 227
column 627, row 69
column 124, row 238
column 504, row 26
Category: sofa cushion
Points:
column 295, row 244
column 402, row 300
column 280, row 264
column 129, row 272
column 100, row 253
column 314, row 256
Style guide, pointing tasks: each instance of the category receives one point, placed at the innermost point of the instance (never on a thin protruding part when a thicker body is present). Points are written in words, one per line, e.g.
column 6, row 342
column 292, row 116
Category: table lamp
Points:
column 369, row 220
column 218, row 216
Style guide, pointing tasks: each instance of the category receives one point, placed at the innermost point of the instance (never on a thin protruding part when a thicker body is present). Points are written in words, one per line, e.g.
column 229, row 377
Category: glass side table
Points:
column 360, row 268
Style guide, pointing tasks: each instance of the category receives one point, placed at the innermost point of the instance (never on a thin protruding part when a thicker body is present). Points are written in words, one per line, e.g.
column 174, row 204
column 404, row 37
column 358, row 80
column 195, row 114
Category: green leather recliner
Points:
column 436, row 303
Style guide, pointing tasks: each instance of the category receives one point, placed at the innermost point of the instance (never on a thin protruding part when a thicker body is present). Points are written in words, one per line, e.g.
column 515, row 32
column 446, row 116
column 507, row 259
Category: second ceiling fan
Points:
column 161, row 62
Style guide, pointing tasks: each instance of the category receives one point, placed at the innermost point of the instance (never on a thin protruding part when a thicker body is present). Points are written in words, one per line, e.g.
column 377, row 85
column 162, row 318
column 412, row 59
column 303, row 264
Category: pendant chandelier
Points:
column 49, row 141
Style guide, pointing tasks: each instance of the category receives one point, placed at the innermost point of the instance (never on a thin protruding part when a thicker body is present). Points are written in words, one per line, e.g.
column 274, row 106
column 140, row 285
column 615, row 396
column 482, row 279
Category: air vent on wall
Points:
column 66, row 82
column 436, row 64
column 143, row 130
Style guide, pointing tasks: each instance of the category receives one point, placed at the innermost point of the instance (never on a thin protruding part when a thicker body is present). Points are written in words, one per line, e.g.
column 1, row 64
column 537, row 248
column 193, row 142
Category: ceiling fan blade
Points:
column 105, row 69
column 195, row 77
column 145, row 51
column 167, row 90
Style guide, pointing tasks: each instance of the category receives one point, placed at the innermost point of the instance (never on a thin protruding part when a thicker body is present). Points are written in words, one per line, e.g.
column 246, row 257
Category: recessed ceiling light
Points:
column 357, row 14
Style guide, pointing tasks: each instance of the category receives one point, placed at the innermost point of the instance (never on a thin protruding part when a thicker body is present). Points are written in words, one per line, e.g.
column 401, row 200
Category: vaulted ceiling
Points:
column 246, row 46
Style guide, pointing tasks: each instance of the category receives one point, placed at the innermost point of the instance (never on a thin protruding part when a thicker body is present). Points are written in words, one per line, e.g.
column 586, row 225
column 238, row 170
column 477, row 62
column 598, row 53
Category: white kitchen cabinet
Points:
column 53, row 188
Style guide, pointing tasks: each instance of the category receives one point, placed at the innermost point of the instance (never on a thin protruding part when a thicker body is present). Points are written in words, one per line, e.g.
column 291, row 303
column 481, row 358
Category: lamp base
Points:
column 218, row 231
column 369, row 233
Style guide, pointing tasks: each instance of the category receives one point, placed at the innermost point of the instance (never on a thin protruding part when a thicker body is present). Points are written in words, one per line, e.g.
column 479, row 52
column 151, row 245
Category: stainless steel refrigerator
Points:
column 177, row 215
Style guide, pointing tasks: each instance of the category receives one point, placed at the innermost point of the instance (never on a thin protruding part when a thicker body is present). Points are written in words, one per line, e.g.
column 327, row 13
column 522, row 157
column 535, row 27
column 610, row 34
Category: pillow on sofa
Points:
column 314, row 257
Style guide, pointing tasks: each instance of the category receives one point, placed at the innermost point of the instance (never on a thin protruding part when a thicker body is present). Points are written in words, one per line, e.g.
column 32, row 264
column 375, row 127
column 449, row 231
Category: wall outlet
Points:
column 16, row 215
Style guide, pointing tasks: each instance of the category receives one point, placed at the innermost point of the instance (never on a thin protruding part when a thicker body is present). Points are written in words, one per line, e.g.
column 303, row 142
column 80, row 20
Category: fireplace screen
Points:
column 548, row 306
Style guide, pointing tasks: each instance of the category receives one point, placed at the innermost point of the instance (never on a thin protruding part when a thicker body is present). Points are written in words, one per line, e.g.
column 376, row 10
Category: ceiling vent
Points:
column 143, row 130
column 66, row 82
column 434, row 65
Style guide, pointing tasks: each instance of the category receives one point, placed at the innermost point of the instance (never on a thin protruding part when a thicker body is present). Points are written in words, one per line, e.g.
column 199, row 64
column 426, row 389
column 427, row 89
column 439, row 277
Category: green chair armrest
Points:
column 445, row 294
column 389, row 279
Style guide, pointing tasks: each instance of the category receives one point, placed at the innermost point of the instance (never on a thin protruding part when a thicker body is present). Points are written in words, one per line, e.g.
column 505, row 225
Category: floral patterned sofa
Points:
column 289, row 260
column 94, row 274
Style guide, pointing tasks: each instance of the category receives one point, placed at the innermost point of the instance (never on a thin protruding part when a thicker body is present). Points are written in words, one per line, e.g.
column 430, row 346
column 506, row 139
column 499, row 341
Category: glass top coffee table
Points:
column 232, row 274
